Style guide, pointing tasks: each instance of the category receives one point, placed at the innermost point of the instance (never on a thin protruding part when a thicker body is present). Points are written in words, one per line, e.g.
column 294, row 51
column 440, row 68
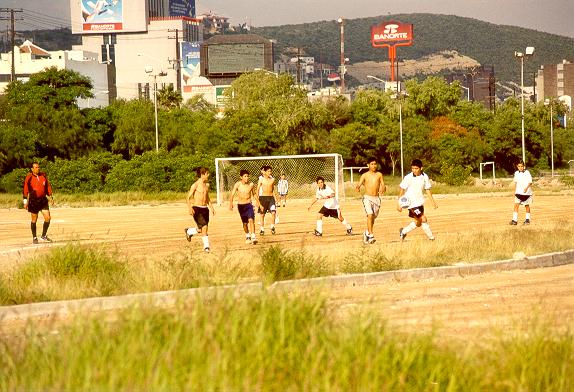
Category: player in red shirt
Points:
column 37, row 190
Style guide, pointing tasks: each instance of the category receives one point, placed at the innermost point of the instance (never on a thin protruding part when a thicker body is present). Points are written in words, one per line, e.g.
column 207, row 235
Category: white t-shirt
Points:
column 415, row 187
column 330, row 203
column 282, row 187
column 522, row 179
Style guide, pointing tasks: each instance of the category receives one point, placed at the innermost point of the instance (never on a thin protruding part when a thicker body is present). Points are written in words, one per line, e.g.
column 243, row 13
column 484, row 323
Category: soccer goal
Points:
column 300, row 171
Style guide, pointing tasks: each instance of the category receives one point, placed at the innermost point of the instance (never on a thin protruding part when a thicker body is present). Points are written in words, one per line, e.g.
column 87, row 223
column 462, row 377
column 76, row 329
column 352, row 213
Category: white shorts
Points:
column 372, row 204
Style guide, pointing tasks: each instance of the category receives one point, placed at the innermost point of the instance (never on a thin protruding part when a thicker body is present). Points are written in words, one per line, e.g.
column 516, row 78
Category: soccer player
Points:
column 198, row 204
column 245, row 191
column 267, row 198
column 413, row 187
column 330, row 207
column 522, row 192
column 36, row 191
column 375, row 187
column 282, row 189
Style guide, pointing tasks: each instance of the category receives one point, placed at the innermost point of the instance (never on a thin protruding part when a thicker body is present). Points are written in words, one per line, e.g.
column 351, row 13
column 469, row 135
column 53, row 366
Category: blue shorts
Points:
column 246, row 212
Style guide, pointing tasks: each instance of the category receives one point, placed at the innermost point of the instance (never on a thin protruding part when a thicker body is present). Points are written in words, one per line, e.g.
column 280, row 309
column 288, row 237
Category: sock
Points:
column 426, row 228
column 205, row 240
column 252, row 236
column 346, row 224
column 515, row 216
column 45, row 228
column 33, row 227
column 409, row 228
column 319, row 225
column 528, row 216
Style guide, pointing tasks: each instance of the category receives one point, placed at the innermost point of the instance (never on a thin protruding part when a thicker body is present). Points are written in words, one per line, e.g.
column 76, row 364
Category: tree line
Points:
column 265, row 115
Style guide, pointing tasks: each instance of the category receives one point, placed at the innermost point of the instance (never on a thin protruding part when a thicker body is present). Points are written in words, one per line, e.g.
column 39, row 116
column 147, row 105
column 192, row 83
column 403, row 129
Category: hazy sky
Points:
column 552, row 16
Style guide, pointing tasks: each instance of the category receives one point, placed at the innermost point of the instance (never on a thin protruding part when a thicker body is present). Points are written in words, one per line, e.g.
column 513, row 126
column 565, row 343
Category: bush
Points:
column 278, row 264
column 13, row 181
column 455, row 174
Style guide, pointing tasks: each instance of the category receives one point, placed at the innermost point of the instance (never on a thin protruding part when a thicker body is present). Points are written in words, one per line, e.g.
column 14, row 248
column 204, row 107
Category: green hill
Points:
column 487, row 43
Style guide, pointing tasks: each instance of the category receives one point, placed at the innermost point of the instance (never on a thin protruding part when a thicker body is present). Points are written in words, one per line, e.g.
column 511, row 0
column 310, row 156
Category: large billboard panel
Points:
column 108, row 16
column 235, row 58
column 182, row 8
column 392, row 34
column 190, row 68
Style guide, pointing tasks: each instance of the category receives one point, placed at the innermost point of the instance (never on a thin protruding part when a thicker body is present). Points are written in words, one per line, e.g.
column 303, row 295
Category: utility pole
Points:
column 298, row 66
column 177, row 60
column 12, row 36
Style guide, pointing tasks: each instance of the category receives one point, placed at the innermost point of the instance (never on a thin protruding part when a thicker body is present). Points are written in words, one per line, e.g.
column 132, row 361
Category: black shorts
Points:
column 36, row 205
column 417, row 212
column 267, row 204
column 329, row 212
column 246, row 212
column 201, row 216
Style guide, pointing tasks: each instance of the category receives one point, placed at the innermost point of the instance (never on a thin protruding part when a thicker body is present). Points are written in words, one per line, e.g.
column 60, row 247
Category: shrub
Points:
column 455, row 174
column 13, row 181
column 279, row 264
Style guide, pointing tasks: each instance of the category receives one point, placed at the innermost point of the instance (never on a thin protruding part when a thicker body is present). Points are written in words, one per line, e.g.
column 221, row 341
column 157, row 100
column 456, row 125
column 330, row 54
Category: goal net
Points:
column 300, row 171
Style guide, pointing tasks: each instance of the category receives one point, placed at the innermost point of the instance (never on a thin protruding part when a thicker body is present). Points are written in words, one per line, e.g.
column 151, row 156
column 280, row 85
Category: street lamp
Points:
column 398, row 97
column 341, row 22
column 548, row 102
column 467, row 92
column 149, row 70
column 522, row 56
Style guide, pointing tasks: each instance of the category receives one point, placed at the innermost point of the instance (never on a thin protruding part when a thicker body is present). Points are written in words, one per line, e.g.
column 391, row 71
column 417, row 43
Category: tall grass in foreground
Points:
column 80, row 271
column 272, row 342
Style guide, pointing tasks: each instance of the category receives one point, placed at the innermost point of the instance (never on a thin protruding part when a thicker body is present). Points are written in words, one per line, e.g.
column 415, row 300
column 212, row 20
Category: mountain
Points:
column 486, row 43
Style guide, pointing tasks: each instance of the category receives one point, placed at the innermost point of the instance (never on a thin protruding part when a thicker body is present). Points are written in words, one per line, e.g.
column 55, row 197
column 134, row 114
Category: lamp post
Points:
column 341, row 22
column 149, row 70
column 398, row 97
column 522, row 56
column 549, row 103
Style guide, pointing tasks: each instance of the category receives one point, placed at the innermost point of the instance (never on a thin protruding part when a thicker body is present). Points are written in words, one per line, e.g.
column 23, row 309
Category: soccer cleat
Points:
column 317, row 233
column 431, row 239
column 350, row 231
column 247, row 240
column 513, row 223
column 372, row 239
column 526, row 222
column 262, row 231
column 365, row 238
column 273, row 230
column 254, row 241
column 45, row 238
column 206, row 250
column 401, row 235
column 187, row 236
column 35, row 240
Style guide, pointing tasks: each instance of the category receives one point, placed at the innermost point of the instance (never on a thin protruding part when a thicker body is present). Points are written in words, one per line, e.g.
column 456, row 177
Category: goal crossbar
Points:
column 300, row 171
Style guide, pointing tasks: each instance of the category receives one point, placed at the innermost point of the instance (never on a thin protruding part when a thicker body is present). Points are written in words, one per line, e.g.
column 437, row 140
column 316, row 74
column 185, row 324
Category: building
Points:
column 555, row 81
column 479, row 84
column 30, row 59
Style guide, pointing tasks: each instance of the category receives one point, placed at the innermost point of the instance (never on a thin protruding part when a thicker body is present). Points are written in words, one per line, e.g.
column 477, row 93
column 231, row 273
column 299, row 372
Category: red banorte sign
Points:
column 391, row 34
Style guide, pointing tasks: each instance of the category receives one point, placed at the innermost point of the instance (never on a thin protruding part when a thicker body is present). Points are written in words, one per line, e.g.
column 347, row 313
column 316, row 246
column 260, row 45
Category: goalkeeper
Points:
column 413, row 186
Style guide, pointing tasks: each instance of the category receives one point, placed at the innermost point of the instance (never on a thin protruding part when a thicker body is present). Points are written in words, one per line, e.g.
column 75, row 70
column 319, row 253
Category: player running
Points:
column 245, row 191
column 330, row 207
column 198, row 204
column 374, row 188
column 413, row 186
column 267, row 198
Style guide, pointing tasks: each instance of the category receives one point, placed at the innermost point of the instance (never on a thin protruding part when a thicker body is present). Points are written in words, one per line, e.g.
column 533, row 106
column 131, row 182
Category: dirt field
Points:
column 464, row 305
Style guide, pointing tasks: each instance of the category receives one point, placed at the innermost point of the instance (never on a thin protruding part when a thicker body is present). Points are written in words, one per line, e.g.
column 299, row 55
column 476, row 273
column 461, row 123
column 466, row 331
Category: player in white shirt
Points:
column 522, row 193
column 330, row 207
column 413, row 187
column 282, row 189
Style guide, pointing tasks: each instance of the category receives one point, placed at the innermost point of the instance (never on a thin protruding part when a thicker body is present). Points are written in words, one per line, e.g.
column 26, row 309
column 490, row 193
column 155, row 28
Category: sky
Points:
column 551, row 16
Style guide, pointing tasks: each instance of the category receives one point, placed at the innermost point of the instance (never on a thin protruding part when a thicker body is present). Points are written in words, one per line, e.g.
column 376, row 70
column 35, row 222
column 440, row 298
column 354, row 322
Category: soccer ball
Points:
column 404, row 202
column 191, row 231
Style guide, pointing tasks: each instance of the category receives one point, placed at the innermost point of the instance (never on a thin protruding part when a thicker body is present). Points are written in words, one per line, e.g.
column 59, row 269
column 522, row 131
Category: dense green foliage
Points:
column 113, row 148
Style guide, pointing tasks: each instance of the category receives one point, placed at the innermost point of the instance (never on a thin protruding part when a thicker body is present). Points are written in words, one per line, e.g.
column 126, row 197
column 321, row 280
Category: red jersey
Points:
column 37, row 186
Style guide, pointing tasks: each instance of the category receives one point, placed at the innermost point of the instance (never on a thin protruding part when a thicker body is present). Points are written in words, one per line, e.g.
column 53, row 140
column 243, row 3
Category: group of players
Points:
column 37, row 190
column 263, row 197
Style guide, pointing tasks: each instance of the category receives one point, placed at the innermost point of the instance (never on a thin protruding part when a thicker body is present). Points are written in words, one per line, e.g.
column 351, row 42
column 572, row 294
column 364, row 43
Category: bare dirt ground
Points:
column 463, row 306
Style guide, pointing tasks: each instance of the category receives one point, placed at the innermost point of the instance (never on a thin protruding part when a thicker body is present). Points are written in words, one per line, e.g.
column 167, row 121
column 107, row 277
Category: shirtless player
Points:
column 374, row 188
column 199, row 205
column 245, row 191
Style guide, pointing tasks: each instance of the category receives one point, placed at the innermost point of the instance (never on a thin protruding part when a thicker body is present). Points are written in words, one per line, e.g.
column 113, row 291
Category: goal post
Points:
column 300, row 171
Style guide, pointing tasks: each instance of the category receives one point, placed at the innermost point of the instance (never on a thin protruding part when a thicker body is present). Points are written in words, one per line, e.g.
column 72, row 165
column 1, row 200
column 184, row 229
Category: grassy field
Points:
column 274, row 342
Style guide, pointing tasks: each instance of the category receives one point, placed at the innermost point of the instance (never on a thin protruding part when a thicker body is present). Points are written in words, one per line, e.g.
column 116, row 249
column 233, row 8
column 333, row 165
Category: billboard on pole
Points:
column 392, row 34
column 108, row 16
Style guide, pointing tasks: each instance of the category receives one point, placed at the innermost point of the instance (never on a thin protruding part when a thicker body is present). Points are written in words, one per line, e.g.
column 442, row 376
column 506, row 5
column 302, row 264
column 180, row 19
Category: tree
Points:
column 433, row 97
column 135, row 127
column 168, row 98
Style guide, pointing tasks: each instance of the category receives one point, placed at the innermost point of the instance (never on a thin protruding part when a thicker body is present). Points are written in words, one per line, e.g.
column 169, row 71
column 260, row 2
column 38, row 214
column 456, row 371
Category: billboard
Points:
column 235, row 58
column 392, row 34
column 190, row 69
column 182, row 8
column 108, row 16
